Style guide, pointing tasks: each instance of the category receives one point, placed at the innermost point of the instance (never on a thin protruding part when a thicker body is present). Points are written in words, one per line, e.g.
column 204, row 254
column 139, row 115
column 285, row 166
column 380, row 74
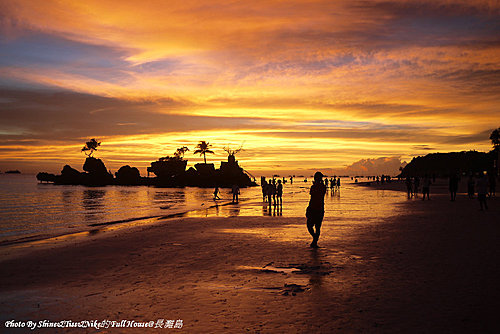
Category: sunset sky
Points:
column 329, row 85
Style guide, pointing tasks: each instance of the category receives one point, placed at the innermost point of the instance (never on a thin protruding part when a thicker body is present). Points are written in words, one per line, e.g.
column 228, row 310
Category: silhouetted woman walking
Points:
column 316, row 209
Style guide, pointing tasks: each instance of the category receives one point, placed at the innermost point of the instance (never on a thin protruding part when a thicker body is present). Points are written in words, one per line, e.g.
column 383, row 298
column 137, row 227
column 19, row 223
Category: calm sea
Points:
column 31, row 211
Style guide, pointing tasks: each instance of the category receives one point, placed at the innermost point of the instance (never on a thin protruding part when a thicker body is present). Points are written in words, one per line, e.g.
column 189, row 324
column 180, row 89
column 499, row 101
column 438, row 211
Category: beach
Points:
column 142, row 143
column 431, row 267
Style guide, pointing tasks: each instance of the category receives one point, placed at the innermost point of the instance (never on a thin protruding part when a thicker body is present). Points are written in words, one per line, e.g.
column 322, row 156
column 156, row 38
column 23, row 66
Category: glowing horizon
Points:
column 300, row 84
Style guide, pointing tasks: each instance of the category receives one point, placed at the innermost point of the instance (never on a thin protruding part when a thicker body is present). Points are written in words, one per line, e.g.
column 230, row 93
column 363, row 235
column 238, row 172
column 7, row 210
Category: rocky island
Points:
column 168, row 171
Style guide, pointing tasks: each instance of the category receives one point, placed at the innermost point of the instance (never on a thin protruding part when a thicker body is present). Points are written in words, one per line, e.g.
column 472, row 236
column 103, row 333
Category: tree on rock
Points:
column 231, row 153
column 203, row 148
column 90, row 147
column 180, row 152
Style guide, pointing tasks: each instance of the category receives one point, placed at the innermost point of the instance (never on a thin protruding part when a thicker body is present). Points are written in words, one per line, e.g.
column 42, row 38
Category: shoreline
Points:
column 8, row 247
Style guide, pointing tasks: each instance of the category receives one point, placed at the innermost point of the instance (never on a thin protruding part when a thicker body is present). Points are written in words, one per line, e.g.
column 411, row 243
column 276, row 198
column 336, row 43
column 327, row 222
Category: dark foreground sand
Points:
column 435, row 269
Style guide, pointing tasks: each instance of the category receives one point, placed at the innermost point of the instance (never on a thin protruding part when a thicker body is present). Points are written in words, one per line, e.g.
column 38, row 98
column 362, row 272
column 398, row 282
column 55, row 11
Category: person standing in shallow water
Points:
column 263, row 184
column 316, row 209
column 269, row 193
column 279, row 193
column 236, row 193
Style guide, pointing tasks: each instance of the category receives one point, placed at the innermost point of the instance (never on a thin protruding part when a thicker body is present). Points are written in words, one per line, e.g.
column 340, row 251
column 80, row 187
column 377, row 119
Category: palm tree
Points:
column 203, row 147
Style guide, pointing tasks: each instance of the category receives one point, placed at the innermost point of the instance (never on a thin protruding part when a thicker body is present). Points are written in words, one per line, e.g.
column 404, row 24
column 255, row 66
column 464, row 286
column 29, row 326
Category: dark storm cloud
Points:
column 467, row 139
column 69, row 116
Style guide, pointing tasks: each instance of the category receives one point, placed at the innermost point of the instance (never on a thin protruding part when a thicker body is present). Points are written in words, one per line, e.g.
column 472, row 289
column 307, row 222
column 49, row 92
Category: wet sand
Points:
column 433, row 269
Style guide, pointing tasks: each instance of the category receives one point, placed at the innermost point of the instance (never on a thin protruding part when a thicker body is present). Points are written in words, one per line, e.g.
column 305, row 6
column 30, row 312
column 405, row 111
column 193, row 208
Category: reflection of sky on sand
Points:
column 350, row 202
column 49, row 240
column 34, row 211
column 346, row 209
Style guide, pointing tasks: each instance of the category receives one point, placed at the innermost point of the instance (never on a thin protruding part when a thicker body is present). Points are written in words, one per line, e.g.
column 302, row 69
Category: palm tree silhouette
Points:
column 203, row 147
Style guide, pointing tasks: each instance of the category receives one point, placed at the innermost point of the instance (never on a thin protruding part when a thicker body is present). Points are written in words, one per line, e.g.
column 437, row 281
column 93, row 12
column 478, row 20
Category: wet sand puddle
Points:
column 302, row 277
column 295, row 278
column 298, row 277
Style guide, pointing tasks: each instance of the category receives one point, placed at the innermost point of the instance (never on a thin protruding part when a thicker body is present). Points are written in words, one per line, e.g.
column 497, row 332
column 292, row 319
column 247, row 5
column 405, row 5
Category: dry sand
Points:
column 433, row 269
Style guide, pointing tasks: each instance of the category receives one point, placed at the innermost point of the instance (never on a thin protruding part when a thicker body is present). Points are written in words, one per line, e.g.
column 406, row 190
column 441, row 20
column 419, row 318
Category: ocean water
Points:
column 32, row 211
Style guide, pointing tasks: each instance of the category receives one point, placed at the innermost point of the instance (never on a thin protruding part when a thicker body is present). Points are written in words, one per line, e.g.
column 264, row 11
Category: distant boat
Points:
column 13, row 172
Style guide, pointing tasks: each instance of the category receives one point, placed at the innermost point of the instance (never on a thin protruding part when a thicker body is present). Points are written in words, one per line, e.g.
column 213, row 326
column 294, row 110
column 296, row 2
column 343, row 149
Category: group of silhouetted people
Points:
column 413, row 186
column 484, row 185
column 380, row 179
column 333, row 183
column 272, row 191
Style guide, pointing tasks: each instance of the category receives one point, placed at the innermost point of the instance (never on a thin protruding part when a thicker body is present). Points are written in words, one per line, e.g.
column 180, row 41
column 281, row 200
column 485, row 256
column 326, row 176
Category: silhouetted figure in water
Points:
column 426, row 187
column 338, row 183
column 279, row 193
column 332, row 184
column 274, row 191
column 482, row 191
column 316, row 209
column 408, row 186
column 216, row 193
column 470, row 186
column 263, row 184
column 236, row 193
column 453, row 186
column 269, row 193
